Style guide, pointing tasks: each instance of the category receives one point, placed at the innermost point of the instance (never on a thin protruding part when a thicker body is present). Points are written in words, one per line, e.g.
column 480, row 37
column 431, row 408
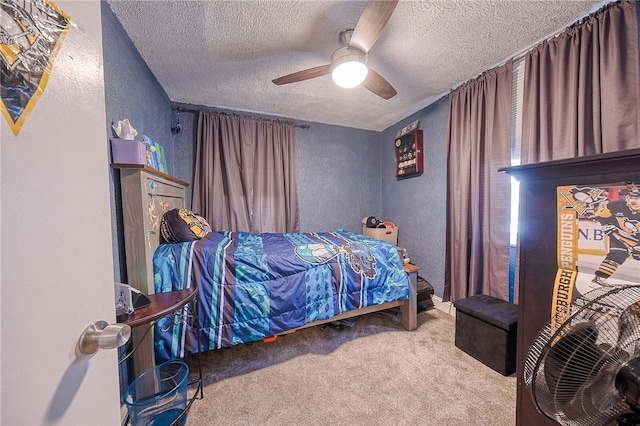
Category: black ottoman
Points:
column 487, row 329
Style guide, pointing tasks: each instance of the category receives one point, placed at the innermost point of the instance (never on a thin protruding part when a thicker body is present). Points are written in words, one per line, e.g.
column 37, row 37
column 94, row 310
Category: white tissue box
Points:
column 126, row 151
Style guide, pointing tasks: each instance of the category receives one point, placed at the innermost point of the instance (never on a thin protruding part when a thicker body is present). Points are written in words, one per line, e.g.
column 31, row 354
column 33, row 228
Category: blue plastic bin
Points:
column 159, row 395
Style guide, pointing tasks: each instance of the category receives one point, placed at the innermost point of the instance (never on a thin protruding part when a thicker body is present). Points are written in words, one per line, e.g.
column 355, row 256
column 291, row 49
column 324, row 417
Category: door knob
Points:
column 101, row 335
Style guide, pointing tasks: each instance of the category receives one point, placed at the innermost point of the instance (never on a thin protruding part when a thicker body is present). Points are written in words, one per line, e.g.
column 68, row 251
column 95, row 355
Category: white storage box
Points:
column 385, row 234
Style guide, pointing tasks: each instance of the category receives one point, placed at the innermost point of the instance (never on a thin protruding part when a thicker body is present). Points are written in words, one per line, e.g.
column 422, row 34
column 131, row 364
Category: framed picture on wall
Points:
column 409, row 154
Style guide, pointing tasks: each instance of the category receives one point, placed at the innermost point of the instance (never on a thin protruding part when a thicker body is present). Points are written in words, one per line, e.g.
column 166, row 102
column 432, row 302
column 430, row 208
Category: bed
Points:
column 254, row 286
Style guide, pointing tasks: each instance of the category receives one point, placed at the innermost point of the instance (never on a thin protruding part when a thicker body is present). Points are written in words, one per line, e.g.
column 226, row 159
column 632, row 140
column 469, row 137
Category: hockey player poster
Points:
column 597, row 243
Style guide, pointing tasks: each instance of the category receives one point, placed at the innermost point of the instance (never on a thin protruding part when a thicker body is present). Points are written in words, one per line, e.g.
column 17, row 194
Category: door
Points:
column 56, row 258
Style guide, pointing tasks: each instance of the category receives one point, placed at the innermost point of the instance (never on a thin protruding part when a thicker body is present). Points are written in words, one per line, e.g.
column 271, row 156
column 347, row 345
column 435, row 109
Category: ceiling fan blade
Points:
column 378, row 85
column 374, row 17
column 303, row 75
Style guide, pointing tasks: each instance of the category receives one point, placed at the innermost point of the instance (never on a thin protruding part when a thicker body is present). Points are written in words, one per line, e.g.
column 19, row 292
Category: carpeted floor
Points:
column 374, row 373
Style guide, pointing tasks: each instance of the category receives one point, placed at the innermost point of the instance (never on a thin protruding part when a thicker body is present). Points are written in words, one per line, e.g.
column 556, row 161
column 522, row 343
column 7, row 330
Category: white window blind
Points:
column 516, row 141
column 516, row 110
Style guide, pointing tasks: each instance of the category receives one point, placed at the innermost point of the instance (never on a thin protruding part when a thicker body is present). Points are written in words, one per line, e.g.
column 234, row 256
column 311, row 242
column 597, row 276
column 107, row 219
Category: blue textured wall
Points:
column 338, row 176
column 184, row 150
column 131, row 91
column 344, row 174
column 417, row 205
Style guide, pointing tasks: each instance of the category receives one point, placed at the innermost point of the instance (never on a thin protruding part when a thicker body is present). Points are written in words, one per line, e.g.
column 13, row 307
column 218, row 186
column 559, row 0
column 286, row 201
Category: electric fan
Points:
column 586, row 370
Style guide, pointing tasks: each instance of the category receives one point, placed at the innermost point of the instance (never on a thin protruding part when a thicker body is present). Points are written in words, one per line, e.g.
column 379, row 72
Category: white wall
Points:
column 56, row 258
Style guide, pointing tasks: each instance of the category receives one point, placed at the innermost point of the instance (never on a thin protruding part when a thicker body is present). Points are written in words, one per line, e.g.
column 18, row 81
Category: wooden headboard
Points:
column 146, row 194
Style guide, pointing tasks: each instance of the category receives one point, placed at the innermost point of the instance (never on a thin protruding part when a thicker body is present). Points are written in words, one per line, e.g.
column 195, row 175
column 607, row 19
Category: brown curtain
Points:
column 245, row 177
column 581, row 88
column 478, row 196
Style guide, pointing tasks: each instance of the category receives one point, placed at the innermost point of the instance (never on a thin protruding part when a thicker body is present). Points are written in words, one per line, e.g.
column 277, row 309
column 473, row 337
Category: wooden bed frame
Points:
column 148, row 193
column 408, row 307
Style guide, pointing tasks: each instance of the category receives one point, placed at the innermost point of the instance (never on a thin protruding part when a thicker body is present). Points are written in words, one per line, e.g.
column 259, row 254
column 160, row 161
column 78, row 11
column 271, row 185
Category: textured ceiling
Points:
column 225, row 53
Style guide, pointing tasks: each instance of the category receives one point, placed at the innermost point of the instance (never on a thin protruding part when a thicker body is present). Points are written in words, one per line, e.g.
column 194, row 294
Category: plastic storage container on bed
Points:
column 159, row 395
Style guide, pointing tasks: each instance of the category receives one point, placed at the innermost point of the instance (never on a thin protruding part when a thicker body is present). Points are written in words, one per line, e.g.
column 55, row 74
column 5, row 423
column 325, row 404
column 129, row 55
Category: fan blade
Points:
column 303, row 75
column 374, row 17
column 378, row 85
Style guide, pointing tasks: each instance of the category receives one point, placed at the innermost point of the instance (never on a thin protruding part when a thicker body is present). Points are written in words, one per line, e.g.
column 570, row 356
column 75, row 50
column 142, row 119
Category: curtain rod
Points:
column 300, row 126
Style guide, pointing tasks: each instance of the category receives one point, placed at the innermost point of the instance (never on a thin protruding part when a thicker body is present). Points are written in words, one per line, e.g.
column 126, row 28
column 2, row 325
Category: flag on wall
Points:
column 31, row 32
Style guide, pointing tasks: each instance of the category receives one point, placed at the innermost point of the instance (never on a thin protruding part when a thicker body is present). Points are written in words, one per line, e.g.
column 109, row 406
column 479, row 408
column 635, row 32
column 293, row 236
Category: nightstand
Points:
column 162, row 304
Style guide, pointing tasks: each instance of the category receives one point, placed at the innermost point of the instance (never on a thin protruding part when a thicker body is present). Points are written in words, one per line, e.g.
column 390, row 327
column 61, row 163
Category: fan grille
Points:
column 571, row 368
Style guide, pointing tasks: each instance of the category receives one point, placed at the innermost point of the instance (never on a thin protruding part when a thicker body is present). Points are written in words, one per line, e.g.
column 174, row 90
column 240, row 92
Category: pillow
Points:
column 182, row 225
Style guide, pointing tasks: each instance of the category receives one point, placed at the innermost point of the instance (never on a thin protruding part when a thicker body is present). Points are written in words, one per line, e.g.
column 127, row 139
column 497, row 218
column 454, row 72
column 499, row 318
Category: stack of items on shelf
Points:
column 125, row 149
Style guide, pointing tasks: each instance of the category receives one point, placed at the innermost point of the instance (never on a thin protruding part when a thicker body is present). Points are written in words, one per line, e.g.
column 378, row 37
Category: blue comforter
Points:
column 252, row 286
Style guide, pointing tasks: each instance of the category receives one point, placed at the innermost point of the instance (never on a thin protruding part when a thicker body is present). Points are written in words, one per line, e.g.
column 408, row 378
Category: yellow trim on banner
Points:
column 567, row 233
column 42, row 84
column 562, row 297
column 567, row 253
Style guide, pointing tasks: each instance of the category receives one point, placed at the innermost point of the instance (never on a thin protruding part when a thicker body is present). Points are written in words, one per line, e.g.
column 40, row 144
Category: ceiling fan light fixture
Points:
column 348, row 67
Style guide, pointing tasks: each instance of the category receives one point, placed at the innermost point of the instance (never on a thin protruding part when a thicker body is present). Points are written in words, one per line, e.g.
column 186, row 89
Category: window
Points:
column 516, row 144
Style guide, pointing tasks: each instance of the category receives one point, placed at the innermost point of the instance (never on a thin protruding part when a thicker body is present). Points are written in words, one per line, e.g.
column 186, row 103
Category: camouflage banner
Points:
column 31, row 33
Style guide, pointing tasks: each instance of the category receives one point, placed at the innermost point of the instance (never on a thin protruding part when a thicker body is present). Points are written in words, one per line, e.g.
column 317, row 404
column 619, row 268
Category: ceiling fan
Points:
column 348, row 65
